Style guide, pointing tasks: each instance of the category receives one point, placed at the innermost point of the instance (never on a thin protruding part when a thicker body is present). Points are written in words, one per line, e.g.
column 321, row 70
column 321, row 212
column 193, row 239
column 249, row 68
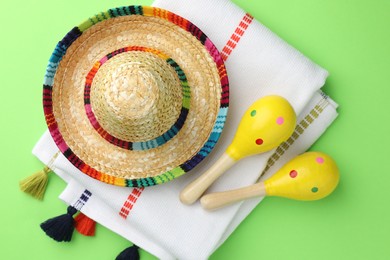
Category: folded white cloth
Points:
column 258, row 63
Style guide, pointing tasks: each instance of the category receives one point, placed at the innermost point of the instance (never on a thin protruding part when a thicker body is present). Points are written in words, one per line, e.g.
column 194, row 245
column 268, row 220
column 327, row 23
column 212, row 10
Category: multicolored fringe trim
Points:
column 60, row 51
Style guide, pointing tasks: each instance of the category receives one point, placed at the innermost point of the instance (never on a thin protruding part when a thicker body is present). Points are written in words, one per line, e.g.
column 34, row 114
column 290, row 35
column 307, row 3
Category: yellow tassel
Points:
column 35, row 185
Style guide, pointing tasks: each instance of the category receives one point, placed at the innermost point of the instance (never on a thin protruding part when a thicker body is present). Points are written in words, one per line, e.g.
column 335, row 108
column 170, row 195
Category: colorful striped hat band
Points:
column 135, row 96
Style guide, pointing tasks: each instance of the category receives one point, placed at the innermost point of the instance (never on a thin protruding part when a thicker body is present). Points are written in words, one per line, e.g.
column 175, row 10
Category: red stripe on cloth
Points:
column 232, row 45
column 243, row 25
column 236, row 36
column 130, row 202
column 239, row 31
column 248, row 18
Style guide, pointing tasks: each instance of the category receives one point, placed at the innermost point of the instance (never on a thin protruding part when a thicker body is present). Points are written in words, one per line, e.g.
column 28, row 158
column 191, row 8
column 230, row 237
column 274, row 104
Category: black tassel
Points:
column 130, row 253
column 60, row 228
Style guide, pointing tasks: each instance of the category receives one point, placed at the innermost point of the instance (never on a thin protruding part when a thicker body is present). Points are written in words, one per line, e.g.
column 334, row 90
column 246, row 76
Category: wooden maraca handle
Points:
column 220, row 199
column 195, row 189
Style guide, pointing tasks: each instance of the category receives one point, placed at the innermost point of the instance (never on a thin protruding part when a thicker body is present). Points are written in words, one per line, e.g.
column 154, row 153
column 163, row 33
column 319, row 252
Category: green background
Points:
column 351, row 39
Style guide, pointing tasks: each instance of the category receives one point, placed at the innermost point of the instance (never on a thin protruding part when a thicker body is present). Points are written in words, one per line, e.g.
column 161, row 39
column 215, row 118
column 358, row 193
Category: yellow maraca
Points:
column 265, row 125
column 310, row 176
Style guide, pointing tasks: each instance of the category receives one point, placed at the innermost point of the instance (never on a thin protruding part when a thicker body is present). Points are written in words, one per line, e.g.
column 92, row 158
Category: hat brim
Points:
column 63, row 99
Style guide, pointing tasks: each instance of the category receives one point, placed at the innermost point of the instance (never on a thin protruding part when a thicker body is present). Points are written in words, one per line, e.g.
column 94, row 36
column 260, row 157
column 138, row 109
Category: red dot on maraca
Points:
column 259, row 141
column 293, row 174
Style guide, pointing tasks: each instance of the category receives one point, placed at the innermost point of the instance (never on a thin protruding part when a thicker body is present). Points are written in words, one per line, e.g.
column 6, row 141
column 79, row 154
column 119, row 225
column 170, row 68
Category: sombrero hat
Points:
column 135, row 96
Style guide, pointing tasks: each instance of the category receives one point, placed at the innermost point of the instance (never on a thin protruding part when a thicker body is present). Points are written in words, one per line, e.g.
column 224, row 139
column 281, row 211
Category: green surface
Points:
column 351, row 39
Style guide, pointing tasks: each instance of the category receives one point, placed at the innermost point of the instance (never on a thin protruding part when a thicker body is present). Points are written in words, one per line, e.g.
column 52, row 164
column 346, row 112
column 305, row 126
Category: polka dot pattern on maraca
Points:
column 259, row 141
column 309, row 176
column 253, row 113
column 293, row 173
column 320, row 160
column 280, row 120
column 259, row 130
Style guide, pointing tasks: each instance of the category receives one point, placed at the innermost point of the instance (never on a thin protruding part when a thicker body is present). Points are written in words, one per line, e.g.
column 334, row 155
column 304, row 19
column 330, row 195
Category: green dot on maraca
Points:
column 253, row 113
column 314, row 189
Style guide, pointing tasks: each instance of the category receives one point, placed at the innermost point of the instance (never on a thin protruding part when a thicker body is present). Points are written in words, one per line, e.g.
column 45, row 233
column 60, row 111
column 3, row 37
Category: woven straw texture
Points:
column 135, row 96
